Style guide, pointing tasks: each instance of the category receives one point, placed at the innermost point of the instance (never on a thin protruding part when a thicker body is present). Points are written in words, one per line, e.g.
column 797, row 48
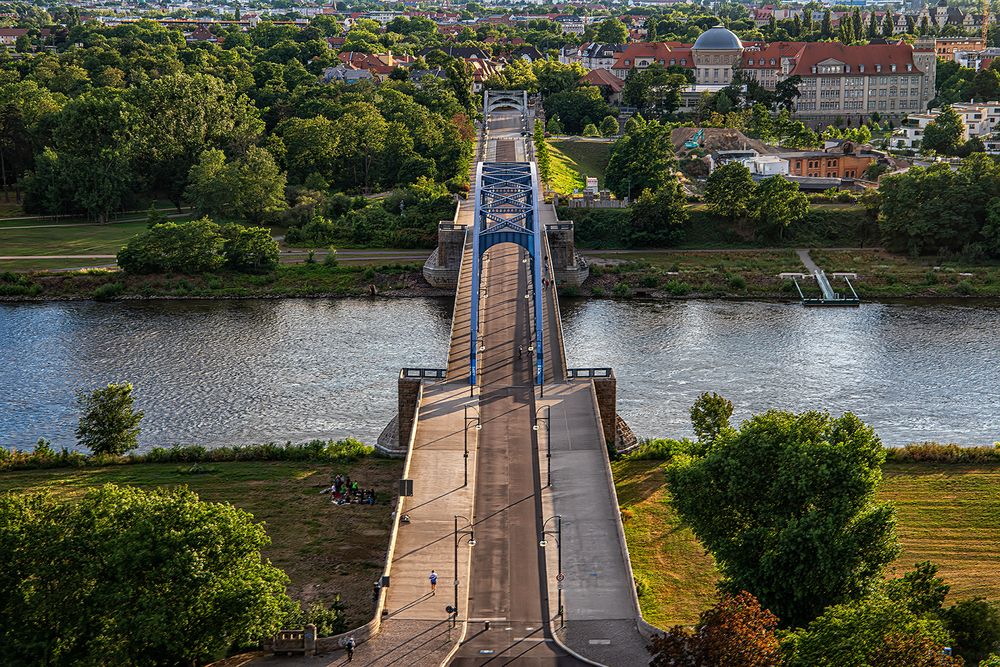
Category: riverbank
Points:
column 946, row 513
column 621, row 274
column 287, row 281
column 326, row 550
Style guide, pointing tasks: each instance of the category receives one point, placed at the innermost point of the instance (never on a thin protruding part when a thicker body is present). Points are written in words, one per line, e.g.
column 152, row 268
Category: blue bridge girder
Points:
column 506, row 211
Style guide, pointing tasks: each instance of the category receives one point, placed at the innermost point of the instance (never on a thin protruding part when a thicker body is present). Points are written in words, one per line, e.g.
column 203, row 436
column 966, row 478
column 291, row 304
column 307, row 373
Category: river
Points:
column 226, row 372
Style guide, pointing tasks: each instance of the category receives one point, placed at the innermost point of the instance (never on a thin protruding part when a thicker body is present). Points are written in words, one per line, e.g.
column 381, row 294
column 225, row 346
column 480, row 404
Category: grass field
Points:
column 325, row 549
column 61, row 239
column 584, row 157
column 948, row 514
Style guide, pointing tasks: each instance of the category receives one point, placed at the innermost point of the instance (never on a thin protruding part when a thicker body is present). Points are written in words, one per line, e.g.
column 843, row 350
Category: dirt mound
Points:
column 720, row 139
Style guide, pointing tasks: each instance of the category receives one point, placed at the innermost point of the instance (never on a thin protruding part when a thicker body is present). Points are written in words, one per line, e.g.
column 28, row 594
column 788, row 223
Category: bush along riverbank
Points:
column 294, row 280
column 317, row 451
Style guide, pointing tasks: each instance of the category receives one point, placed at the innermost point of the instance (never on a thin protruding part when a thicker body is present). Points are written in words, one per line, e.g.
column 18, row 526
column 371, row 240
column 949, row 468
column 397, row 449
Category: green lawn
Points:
column 67, row 239
column 586, row 158
column 325, row 549
column 948, row 514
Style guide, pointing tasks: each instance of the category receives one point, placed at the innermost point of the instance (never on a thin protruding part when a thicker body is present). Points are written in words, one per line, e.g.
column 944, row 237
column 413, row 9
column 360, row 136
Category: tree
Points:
column 180, row 116
column 577, row 108
column 554, row 126
column 250, row 249
column 166, row 577
column 171, row 247
column 250, row 187
column 777, row 203
column 975, row 628
column 786, row 92
column 729, row 191
column 555, row 77
column 944, row 133
column 787, row 506
column 609, row 126
column 109, row 423
column 657, row 217
column 710, row 415
column 873, row 632
column 654, row 89
column 590, row 130
column 641, row 160
column 612, row 31
column 736, row 631
column 921, row 590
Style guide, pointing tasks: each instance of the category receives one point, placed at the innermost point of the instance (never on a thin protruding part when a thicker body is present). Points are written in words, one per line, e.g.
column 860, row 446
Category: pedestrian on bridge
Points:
column 434, row 581
column 520, row 351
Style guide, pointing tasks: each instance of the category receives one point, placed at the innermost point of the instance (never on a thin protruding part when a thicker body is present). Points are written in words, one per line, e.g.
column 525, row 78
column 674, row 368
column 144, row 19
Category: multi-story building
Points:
column 980, row 119
column 945, row 47
column 837, row 81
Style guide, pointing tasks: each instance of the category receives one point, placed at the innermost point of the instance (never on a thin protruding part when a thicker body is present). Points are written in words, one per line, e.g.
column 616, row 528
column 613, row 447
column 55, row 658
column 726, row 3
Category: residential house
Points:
column 611, row 86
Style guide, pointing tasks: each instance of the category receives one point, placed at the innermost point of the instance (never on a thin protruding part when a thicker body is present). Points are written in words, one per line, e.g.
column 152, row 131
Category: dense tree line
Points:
column 940, row 210
column 134, row 113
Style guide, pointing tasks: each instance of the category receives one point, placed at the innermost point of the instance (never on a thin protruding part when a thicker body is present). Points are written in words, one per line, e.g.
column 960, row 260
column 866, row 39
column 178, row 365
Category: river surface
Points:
column 226, row 372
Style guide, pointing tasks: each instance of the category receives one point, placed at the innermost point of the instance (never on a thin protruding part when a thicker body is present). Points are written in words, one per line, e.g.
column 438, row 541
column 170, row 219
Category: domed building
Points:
column 715, row 52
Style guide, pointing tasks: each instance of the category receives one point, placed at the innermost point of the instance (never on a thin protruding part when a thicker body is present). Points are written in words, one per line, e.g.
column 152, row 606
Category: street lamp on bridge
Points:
column 542, row 543
column 459, row 534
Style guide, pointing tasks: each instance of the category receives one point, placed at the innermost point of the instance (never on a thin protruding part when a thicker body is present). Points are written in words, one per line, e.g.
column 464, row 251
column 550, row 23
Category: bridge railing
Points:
column 589, row 373
column 424, row 373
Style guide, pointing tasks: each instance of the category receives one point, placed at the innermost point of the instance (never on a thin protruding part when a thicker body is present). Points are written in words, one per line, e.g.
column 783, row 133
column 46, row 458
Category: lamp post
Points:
column 471, row 534
column 548, row 438
column 479, row 427
column 557, row 532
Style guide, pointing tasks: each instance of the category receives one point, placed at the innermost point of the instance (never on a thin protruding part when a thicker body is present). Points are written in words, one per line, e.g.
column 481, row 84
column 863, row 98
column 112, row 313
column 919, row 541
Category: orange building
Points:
column 945, row 47
column 821, row 164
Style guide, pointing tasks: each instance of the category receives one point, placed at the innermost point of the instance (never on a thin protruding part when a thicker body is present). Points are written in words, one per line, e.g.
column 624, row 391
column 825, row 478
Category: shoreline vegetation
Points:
column 658, row 275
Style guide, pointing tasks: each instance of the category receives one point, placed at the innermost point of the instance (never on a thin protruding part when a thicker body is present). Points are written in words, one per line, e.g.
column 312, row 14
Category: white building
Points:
column 980, row 119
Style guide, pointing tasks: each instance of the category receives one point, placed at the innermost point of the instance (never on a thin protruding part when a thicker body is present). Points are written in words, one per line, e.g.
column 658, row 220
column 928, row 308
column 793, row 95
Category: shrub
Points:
column 622, row 290
column 18, row 284
column 737, row 282
column 965, row 288
column 663, row 449
column 189, row 247
column 649, row 281
column 331, row 257
column 590, row 130
column 677, row 287
column 250, row 249
column 934, row 452
column 109, row 291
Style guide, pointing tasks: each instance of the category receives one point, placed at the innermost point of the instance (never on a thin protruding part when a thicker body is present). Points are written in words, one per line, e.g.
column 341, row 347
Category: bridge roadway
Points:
column 506, row 577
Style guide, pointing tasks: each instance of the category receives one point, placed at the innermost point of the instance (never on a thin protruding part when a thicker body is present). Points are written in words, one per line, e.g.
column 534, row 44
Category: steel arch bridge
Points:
column 507, row 200
column 498, row 100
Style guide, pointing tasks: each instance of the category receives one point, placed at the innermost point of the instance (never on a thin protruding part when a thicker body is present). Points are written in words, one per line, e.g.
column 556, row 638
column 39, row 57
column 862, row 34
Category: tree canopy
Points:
column 124, row 575
column 786, row 504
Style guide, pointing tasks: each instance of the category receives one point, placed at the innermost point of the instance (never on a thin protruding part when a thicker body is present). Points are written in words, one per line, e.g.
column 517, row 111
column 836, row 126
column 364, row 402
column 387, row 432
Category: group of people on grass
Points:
column 343, row 491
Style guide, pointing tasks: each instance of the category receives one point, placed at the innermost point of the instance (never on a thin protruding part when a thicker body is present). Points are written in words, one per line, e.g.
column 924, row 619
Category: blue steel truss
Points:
column 506, row 211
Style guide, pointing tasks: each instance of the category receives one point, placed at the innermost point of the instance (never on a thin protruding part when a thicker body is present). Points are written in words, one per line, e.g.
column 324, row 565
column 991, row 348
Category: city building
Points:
column 980, row 119
column 847, row 160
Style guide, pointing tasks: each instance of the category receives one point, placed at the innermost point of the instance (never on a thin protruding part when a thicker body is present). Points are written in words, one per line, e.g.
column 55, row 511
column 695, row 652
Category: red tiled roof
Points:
column 868, row 55
column 655, row 50
column 602, row 77
column 775, row 50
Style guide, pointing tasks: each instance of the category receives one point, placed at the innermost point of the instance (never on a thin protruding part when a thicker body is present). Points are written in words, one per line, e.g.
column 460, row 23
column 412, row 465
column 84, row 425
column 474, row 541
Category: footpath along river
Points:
column 226, row 372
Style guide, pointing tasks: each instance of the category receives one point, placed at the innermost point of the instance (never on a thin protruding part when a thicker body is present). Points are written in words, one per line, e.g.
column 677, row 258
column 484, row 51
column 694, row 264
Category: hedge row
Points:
column 324, row 451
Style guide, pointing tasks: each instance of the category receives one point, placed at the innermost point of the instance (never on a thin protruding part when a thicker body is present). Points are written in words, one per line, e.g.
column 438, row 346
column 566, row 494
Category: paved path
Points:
column 807, row 260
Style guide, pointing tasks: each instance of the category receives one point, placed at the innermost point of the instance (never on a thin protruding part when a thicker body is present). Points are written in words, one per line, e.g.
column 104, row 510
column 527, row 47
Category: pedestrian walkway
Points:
column 601, row 609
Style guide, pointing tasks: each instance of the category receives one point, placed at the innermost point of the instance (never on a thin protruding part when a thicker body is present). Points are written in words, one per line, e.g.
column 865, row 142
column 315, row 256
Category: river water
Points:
column 225, row 372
